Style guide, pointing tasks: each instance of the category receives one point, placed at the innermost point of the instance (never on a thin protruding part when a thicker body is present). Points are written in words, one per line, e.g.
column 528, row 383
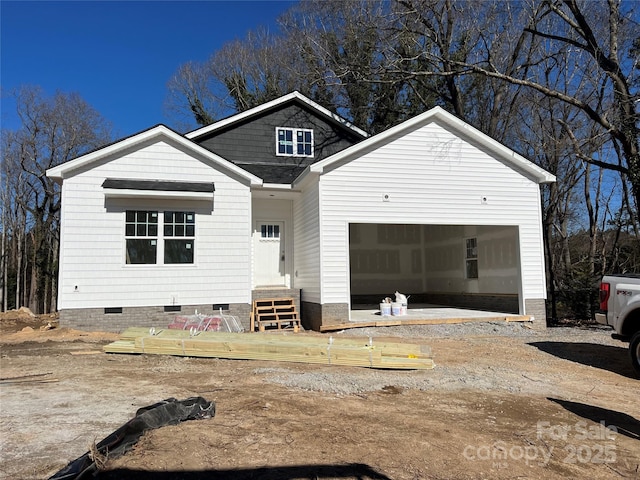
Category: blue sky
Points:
column 118, row 55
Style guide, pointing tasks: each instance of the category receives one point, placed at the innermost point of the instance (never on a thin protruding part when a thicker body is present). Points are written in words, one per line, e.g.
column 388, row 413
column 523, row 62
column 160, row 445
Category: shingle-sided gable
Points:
column 251, row 143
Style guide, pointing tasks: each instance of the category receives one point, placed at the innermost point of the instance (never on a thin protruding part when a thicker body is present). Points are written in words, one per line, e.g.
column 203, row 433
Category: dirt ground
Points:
column 503, row 402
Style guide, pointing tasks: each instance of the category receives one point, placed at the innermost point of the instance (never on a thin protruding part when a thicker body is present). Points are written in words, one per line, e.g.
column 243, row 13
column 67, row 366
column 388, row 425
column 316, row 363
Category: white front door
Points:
column 269, row 254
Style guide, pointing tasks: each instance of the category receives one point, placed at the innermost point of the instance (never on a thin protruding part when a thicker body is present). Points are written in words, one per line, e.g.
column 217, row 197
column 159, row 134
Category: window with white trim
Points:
column 141, row 232
column 153, row 237
column 269, row 231
column 179, row 233
column 294, row 142
column 471, row 258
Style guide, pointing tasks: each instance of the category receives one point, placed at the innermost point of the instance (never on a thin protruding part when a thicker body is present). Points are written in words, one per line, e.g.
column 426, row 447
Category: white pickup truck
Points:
column 620, row 308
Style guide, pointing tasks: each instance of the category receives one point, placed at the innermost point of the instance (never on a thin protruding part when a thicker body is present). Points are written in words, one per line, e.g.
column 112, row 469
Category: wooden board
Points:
column 424, row 321
column 318, row 349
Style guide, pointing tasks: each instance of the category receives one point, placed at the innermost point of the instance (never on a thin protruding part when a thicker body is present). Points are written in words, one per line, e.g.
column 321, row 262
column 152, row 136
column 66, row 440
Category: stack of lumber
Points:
column 274, row 311
column 353, row 351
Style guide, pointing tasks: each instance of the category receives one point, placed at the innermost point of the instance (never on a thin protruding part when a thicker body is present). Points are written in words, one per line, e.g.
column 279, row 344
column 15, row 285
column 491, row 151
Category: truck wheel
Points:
column 634, row 351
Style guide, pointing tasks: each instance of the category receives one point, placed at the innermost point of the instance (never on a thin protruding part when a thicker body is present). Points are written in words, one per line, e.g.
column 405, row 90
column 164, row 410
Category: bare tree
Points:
column 241, row 75
column 330, row 51
column 600, row 37
column 190, row 97
column 53, row 130
column 341, row 41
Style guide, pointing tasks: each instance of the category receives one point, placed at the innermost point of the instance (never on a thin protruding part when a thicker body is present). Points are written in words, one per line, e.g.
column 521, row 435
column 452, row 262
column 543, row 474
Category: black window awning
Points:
column 158, row 185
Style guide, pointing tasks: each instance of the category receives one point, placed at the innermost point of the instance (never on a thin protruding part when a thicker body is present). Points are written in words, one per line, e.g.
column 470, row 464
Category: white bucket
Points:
column 396, row 308
column 385, row 309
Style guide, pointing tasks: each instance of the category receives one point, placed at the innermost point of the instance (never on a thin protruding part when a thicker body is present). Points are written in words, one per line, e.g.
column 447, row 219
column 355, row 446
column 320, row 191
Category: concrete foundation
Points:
column 314, row 315
column 537, row 308
column 99, row 319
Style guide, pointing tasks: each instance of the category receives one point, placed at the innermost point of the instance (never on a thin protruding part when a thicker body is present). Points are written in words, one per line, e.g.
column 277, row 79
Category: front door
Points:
column 269, row 254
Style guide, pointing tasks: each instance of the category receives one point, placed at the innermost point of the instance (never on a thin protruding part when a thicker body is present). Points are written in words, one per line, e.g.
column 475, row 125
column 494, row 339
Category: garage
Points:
column 468, row 266
column 431, row 208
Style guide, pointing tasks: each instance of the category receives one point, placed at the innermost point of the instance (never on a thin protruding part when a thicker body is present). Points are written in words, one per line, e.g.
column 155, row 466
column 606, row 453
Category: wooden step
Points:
column 268, row 311
column 280, row 312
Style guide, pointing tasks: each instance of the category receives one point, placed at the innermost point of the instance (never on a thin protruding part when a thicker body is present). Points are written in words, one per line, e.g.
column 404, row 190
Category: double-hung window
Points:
column 179, row 234
column 141, row 231
column 471, row 258
column 154, row 237
column 294, row 142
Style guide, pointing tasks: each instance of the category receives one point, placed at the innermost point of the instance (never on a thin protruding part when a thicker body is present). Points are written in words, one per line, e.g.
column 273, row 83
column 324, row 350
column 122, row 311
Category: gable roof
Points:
column 265, row 107
column 156, row 133
column 447, row 120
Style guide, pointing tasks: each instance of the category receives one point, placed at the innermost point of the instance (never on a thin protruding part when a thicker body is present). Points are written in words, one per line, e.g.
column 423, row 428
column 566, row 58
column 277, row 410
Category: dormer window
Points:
column 294, row 142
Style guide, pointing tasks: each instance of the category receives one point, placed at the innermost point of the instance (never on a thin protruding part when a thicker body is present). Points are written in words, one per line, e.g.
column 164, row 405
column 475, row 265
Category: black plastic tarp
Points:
column 167, row 412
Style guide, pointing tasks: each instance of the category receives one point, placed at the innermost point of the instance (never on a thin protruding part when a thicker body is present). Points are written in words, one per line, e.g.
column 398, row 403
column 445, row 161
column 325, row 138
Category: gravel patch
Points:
column 477, row 375
column 368, row 381
column 474, row 329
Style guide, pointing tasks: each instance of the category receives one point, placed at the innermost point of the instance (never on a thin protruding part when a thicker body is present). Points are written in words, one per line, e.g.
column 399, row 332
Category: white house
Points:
column 290, row 199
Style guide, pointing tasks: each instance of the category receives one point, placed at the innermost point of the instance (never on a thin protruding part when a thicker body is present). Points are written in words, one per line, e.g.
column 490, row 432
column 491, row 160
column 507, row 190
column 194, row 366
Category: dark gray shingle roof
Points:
column 285, row 174
column 158, row 185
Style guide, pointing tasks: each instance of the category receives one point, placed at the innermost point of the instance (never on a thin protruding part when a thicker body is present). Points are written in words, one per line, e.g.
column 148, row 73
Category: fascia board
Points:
column 330, row 114
column 304, row 178
column 501, row 151
column 129, row 193
column 369, row 143
column 268, row 105
column 438, row 114
column 62, row 171
column 277, row 186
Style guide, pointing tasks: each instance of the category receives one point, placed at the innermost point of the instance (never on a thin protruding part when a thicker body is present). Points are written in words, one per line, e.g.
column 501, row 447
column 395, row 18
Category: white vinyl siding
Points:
column 430, row 177
column 93, row 236
column 307, row 244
